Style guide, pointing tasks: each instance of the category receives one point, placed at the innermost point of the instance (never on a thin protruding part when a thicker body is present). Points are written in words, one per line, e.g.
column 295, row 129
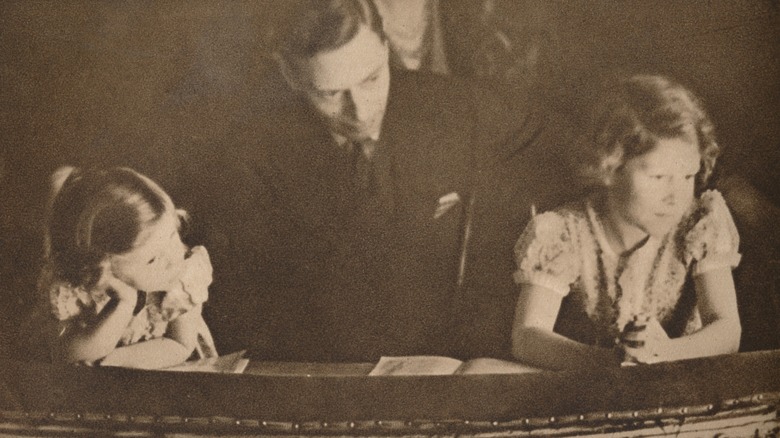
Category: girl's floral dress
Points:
column 566, row 251
column 153, row 312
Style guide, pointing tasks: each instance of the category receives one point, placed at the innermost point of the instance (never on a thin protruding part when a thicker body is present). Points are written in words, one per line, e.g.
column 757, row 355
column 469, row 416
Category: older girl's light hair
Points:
column 632, row 116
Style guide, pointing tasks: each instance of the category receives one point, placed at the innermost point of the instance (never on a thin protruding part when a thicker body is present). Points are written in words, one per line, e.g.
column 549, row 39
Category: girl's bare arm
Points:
column 535, row 343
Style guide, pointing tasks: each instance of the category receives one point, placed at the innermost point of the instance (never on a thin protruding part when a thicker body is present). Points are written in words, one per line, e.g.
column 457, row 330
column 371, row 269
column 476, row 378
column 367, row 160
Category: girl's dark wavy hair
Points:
column 633, row 115
column 97, row 212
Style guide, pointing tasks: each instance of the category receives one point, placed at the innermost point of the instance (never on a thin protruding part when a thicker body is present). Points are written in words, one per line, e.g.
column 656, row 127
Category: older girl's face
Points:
column 653, row 191
column 156, row 261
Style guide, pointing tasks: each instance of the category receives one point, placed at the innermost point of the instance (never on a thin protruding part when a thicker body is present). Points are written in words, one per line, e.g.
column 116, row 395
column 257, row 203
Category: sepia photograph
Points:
column 390, row 218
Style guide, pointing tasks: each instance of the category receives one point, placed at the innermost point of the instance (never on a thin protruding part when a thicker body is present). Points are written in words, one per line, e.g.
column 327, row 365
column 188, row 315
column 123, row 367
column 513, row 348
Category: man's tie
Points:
column 363, row 166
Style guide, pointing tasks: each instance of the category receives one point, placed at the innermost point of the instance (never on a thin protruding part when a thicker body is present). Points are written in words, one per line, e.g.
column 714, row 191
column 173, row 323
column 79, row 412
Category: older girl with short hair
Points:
column 640, row 270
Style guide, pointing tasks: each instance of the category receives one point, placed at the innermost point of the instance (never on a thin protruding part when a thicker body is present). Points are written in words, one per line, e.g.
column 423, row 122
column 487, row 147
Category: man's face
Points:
column 347, row 86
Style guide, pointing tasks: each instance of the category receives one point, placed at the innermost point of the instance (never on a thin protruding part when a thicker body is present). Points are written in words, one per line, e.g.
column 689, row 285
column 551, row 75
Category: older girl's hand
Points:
column 644, row 341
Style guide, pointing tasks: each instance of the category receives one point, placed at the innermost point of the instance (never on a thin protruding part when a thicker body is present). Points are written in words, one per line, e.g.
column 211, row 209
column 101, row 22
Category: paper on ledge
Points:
column 442, row 366
column 233, row 363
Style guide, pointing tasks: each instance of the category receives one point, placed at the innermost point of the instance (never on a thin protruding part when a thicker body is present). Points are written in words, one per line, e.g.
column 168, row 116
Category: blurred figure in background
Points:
column 414, row 33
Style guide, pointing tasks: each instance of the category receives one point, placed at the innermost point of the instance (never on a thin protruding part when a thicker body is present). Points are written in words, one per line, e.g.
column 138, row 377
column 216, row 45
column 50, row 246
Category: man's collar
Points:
column 343, row 142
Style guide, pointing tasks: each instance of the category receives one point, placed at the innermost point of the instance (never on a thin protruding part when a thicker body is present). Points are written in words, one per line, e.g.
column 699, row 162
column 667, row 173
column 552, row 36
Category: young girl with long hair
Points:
column 125, row 289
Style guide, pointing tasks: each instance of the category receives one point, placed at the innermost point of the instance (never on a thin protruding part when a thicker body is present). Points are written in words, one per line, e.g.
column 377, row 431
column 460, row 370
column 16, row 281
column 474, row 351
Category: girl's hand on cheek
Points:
column 117, row 288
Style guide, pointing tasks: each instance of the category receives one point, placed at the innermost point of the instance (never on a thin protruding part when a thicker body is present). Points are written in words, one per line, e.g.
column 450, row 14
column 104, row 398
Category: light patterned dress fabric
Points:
column 75, row 305
column 566, row 251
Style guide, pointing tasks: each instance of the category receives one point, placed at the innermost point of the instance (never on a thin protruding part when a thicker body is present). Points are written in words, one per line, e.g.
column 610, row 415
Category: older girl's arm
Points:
column 717, row 304
column 535, row 343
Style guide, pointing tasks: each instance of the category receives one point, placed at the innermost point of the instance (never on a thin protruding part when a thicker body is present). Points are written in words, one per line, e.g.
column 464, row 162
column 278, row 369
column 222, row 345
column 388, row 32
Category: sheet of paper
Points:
column 495, row 366
column 230, row 363
column 415, row 366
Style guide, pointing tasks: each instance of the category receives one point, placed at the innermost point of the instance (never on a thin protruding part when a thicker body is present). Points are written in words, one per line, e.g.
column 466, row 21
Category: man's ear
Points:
column 608, row 177
column 286, row 70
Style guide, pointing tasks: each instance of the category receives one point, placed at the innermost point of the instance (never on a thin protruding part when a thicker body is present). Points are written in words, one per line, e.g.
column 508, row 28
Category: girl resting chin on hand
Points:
column 125, row 289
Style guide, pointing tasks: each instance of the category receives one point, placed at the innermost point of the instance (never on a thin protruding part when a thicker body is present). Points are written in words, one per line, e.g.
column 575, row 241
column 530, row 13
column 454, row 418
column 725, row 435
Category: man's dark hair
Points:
column 303, row 28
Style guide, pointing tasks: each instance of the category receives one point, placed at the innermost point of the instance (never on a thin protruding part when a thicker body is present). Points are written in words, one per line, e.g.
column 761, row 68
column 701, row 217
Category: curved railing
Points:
column 735, row 395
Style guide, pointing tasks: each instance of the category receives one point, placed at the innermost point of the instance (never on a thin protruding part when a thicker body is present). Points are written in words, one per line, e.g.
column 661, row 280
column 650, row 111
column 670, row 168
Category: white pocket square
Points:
column 446, row 202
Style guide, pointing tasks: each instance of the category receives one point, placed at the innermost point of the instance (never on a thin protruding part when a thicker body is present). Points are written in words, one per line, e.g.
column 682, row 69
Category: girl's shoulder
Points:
column 192, row 290
column 66, row 300
column 69, row 302
column 547, row 252
column 568, row 216
column 710, row 235
column 710, row 220
column 711, row 201
column 559, row 225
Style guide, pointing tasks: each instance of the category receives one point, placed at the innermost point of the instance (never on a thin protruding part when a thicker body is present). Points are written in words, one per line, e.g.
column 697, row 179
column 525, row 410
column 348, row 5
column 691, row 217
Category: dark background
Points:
column 82, row 79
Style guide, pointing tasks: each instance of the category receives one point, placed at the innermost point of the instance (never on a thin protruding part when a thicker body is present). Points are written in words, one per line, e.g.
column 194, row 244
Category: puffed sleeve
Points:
column 192, row 291
column 198, row 275
column 193, row 287
column 545, row 254
column 713, row 241
column 67, row 302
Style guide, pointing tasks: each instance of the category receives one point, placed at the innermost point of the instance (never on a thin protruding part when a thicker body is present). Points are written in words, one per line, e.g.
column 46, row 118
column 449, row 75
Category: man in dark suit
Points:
column 379, row 207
